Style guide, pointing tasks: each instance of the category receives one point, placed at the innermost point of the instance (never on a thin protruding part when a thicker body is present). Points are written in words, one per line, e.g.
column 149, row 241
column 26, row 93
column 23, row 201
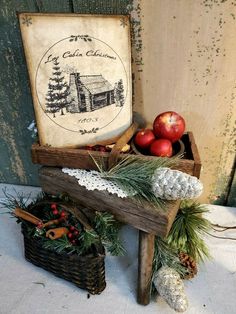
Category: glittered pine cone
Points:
column 174, row 184
column 190, row 264
column 171, row 288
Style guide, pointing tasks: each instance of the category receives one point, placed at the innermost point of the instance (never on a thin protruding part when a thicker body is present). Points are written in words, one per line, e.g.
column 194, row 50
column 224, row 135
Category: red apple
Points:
column 161, row 148
column 144, row 138
column 169, row 125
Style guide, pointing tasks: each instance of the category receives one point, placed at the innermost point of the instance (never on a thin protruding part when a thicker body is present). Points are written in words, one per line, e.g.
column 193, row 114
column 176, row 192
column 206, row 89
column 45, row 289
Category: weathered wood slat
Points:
column 145, row 256
column 231, row 199
column 141, row 216
column 196, row 156
column 80, row 158
column 16, row 107
column 102, row 6
column 54, row 5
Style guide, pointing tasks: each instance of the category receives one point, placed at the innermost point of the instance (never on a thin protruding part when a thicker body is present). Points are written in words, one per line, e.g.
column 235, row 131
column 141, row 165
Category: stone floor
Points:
column 26, row 289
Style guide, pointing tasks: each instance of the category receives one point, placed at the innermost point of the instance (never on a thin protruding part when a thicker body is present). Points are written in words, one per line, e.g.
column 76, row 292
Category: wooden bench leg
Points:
column 146, row 253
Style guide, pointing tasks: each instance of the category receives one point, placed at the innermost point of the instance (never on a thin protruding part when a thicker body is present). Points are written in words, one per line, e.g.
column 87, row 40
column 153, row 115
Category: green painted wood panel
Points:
column 54, row 5
column 16, row 111
column 16, row 108
column 102, row 6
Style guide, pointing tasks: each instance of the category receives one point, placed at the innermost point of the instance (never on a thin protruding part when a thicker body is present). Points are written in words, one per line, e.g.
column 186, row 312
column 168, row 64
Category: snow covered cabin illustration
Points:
column 89, row 93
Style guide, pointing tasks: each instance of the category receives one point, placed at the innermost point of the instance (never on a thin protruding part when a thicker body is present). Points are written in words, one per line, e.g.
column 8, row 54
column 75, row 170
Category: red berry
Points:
column 55, row 212
column 54, row 206
column 72, row 228
column 73, row 242
column 63, row 214
column 40, row 225
column 96, row 147
column 102, row 149
column 70, row 235
column 89, row 147
column 76, row 232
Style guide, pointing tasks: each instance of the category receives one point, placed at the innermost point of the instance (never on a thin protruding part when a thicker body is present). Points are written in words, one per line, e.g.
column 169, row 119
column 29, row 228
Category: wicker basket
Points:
column 87, row 272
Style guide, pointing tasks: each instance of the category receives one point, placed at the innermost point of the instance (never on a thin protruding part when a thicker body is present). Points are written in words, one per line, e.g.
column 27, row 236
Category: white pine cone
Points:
column 171, row 288
column 173, row 184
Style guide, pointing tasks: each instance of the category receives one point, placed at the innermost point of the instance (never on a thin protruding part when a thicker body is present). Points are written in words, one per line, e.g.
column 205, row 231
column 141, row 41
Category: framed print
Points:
column 80, row 75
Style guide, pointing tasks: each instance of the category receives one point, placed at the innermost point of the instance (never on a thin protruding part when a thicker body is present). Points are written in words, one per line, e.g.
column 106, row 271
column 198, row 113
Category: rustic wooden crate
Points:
column 148, row 220
column 80, row 158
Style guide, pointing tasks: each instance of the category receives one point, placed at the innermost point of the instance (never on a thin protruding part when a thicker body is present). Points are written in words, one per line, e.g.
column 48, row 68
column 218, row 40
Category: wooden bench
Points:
column 144, row 217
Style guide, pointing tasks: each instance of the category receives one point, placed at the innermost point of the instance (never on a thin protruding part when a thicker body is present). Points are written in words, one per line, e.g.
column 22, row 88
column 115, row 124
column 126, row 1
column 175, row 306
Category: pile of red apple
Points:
column 168, row 127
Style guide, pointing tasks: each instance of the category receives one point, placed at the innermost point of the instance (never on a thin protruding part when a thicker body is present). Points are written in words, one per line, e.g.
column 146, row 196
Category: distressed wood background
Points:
column 183, row 59
column 189, row 67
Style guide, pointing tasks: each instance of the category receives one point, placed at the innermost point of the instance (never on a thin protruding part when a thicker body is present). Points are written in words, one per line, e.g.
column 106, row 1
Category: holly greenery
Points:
column 81, row 240
column 188, row 229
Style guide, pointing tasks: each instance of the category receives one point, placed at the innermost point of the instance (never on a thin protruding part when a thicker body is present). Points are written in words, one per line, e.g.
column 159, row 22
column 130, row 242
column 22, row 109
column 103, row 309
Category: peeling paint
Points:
column 191, row 67
column 7, row 134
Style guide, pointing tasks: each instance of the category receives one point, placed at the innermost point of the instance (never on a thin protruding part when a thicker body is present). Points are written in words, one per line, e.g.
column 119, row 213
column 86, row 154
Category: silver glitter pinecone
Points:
column 173, row 184
column 171, row 288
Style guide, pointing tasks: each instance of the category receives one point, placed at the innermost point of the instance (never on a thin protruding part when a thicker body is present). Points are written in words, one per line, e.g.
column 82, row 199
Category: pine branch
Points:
column 134, row 176
column 165, row 255
column 187, row 231
column 12, row 201
column 108, row 230
column 59, row 245
column 87, row 239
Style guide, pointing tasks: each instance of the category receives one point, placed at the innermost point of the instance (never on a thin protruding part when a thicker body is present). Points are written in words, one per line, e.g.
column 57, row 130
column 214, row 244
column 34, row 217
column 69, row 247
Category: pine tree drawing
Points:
column 58, row 92
column 119, row 93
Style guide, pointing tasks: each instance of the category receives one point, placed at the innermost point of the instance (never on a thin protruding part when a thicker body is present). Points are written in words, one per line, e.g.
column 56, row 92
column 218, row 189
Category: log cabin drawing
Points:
column 89, row 93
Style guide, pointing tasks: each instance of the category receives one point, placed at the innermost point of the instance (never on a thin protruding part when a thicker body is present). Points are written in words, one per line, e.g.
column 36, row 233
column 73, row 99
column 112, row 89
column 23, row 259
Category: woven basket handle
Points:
column 122, row 141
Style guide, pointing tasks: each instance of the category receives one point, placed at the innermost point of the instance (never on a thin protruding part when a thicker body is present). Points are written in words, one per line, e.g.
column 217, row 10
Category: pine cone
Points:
column 173, row 184
column 171, row 288
column 188, row 262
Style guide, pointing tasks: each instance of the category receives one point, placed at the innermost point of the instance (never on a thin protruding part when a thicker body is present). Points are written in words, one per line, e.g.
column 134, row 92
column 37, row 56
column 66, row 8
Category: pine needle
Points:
column 58, row 245
column 165, row 255
column 108, row 229
column 188, row 229
column 10, row 201
column 87, row 239
column 134, row 175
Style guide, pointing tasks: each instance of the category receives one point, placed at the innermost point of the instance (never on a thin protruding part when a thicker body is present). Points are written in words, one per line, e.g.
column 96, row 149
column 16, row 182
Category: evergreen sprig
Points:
column 105, row 229
column 188, row 229
column 87, row 239
column 108, row 229
column 165, row 255
column 59, row 245
column 135, row 176
column 10, row 202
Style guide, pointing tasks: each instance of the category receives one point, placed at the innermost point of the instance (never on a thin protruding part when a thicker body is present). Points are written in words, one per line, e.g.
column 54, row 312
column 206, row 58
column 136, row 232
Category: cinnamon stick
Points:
column 54, row 222
column 56, row 233
column 27, row 216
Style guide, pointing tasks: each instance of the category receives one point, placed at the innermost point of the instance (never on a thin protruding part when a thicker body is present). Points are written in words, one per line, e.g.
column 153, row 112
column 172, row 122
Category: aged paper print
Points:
column 80, row 74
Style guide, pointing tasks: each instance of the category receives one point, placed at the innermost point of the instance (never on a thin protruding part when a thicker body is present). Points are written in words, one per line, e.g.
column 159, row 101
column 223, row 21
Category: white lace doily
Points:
column 92, row 180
